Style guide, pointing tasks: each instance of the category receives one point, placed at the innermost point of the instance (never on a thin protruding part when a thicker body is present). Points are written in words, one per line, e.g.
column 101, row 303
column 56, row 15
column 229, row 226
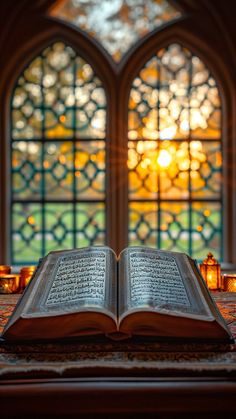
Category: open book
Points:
column 143, row 292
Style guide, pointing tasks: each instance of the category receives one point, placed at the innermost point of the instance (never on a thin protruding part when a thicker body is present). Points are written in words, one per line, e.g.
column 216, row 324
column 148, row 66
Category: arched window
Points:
column 58, row 156
column 120, row 130
column 175, row 157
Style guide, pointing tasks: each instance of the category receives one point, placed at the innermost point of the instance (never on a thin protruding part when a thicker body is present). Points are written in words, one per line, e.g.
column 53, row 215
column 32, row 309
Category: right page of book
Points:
column 160, row 280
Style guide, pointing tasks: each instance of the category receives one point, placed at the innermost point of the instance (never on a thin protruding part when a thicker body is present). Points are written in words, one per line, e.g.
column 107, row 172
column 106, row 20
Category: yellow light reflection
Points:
column 172, row 161
column 31, row 220
column 62, row 159
column 168, row 133
column 207, row 213
column 196, row 146
column 133, row 135
column 164, row 159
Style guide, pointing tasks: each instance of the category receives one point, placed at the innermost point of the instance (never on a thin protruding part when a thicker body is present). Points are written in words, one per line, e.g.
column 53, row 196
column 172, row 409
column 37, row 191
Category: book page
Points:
column 79, row 279
column 82, row 278
column 153, row 278
column 160, row 280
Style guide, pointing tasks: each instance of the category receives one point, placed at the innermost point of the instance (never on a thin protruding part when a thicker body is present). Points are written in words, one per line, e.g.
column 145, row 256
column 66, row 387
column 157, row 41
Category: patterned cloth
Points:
column 7, row 304
column 126, row 358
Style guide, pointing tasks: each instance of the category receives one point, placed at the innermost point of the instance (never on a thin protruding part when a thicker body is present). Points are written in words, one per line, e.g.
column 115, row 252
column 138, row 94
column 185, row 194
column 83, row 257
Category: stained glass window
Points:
column 58, row 156
column 175, row 155
column 116, row 24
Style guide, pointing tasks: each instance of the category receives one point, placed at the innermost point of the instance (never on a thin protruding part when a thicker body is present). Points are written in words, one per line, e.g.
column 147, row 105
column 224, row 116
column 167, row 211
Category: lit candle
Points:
column 5, row 269
column 9, row 283
column 229, row 282
column 210, row 270
column 26, row 274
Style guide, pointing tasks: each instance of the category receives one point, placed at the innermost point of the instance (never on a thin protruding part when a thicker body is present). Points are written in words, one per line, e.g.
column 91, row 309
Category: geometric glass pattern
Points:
column 175, row 155
column 116, row 24
column 58, row 133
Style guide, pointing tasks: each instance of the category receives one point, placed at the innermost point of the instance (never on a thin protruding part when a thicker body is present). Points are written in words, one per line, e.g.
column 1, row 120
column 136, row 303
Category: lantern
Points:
column 211, row 272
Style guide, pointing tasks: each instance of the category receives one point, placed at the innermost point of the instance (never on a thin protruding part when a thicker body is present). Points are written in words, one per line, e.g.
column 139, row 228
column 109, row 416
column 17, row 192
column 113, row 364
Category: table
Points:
column 92, row 379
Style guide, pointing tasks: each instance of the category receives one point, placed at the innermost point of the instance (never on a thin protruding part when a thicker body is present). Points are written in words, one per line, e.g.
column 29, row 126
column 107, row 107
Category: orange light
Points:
column 31, row 220
column 211, row 272
column 229, row 282
column 9, row 283
column 207, row 213
column 62, row 159
column 62, row 118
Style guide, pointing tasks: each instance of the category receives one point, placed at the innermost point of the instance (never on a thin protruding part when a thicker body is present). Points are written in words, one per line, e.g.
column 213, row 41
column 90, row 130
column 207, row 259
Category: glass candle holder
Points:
column 26, row 274
column 229, row 282
column 9, row 283
column 5, row 269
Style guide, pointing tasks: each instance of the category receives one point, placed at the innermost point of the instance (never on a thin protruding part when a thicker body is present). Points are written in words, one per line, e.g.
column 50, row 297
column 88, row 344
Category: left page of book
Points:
column 67, row 284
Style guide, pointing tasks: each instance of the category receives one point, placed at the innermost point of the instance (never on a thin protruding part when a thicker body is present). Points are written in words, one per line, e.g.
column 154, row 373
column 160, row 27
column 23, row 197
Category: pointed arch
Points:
column 175, row 155
column 35, row 31
column 134, row 63
column 58, row 131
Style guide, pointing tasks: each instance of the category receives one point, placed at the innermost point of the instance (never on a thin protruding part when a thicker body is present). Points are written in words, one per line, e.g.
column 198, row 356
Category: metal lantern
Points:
column 211, row 272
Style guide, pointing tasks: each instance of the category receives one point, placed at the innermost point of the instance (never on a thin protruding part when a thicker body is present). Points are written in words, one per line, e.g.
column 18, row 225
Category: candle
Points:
column 9, row 283
column 25, row 276
column 229, row 282
column 5, row 269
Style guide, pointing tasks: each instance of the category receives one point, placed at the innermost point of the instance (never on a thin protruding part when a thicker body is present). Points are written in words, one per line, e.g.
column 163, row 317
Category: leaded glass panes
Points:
column 58, row 155
column 143, row 223
column 27, row 234
column 117, row 24
column 174, row 219
column 90, row 169
column 175, row 154
column 26, row 169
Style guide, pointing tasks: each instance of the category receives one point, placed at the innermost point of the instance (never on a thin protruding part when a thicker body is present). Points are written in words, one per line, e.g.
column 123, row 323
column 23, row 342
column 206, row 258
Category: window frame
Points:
column 134, row 62
column 117, row 80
